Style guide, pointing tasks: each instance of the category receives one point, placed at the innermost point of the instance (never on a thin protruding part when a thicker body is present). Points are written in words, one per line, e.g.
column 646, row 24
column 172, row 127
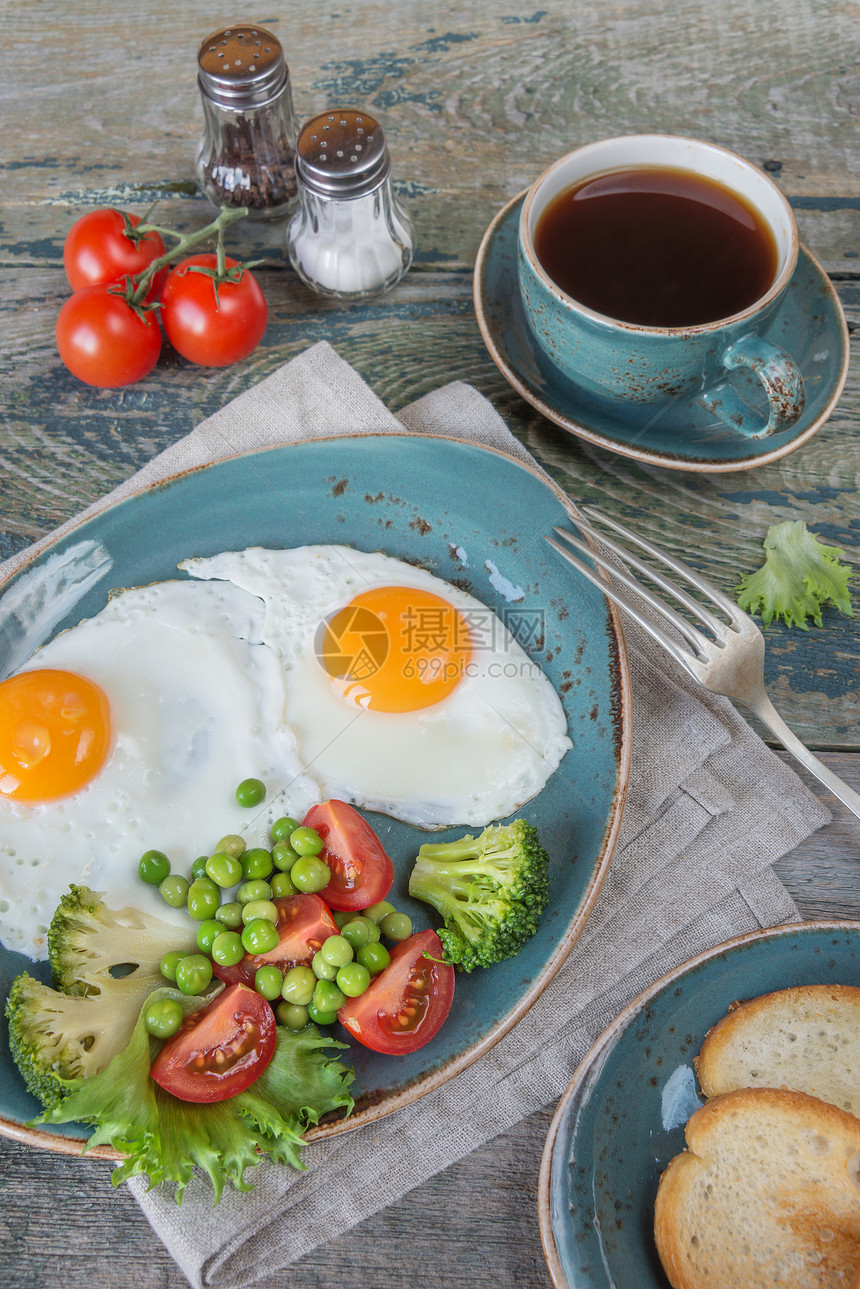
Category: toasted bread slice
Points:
column 767, row 1194
column 806, row 1038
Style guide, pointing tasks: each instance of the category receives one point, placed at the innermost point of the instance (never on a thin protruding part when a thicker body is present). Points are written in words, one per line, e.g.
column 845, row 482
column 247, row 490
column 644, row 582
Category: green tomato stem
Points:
column 184, row 243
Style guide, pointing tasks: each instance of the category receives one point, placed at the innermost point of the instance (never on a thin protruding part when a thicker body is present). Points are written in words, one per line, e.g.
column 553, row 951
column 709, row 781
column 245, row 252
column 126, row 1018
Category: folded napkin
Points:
column 709, row 810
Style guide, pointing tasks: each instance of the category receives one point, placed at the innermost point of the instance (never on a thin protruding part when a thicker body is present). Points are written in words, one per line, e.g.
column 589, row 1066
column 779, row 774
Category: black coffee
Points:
column 657, row 247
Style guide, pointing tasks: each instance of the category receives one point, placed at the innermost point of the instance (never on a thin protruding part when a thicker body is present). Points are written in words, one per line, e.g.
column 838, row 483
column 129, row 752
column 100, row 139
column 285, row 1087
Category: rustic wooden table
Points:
column 101, row 107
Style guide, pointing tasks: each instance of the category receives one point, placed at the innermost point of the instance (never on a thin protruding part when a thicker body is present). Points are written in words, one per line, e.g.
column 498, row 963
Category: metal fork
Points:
column 731, row 663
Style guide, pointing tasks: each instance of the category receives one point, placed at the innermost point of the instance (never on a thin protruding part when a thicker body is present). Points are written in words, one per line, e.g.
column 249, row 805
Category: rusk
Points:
column 806, row 1038
column 766, row 1195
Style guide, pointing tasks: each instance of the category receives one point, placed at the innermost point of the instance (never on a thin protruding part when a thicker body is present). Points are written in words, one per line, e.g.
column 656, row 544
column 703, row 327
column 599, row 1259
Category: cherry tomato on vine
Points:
column 407, row 1003
column 219, row 1050
column 98, row 250
column 103, row 340
column 208, row 323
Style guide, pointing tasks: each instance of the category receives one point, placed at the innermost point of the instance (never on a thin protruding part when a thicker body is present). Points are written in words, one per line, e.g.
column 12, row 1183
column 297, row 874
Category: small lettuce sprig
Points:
column 800, row 575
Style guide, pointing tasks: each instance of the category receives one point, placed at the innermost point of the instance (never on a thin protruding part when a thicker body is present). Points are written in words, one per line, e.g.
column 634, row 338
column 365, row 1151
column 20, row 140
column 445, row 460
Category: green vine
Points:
column 134, row 289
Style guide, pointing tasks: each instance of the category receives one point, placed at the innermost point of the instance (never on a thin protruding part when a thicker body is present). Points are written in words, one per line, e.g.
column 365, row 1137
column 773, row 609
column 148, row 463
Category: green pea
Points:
column 198, row 867
column 174, row 890
column 291, row 1016
column 310, row 874
column 193, row 973
column 377, row 912
column 203, row 899
column 336, row 951
column 167, row 966
column 257, row 863
column 281, row 828
column 327, row 997
column 306, row 841
column 259, row 909
column 257, row 890
column 320, row 1017
column 374, row 956
column 223, row 869
column 230, row 914
column 352, row 979
column 163, row 1017
column 397, row 926
column 154, row 866
column 232, row 844
column 341, row 917
column 322, row 970
column 298, row 987
column 206, row 933
column 283, row 886
column 359, row 931
column 227, row 949
column 250, row 792
column 283, row 856
column 268, row 981
column 260, row 936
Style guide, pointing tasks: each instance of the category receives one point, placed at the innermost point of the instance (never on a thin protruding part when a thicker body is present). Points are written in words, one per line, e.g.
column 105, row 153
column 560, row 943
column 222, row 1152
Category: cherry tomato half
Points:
column 304, row 922
column 209, row 327
column 406, row 1005
column 220, row 1050
column 98, row 250
column 104, row 341
column 361, row 871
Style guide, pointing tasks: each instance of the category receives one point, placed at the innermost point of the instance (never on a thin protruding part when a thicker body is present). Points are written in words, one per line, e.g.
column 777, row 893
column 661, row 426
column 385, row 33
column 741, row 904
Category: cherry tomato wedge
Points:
column 103, row 340
column 97, row 249
column 304, row 921
column 220, row 1050
column 361, row 871
column 406, row 1005
column 209, row 326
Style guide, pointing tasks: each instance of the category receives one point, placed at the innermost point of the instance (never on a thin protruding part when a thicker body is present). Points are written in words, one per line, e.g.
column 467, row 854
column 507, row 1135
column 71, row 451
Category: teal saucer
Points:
column 681, row 435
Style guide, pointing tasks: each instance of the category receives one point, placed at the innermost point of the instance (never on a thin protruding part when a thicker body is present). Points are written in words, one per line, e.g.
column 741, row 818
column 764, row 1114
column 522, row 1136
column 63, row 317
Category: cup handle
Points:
column 782, row 382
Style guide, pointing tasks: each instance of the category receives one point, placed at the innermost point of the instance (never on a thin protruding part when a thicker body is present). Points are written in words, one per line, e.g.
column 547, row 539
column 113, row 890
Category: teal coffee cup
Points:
column 650, row 267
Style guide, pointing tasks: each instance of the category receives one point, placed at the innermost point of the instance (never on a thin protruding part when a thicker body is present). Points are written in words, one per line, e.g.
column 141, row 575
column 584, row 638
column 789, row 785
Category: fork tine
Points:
column 695, row 638
column 678, row 566
column 716, row 627
column 618, row 597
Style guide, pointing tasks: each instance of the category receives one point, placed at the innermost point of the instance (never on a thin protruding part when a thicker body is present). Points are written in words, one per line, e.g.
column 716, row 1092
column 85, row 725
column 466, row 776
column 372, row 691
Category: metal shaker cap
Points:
column 241, row 66
column 342, row 154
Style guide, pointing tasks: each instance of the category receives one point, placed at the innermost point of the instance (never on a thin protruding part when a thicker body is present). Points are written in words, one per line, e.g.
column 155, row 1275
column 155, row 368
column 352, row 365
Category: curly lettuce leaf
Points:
column 165, row 1138
column 800, row 575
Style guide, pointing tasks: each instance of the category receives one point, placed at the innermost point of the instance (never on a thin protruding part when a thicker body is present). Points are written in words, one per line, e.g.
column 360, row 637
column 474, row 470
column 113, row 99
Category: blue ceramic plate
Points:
column 622, row 1118
column 681, row 435
column 453, row 508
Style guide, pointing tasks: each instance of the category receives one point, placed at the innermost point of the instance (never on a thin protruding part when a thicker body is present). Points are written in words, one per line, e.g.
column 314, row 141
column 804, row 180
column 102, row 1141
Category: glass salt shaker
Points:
column 247, row 154
column 349, row 237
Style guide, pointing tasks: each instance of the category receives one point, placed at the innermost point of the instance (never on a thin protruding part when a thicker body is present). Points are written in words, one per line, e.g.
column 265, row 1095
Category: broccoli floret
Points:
column 104, row 964
column 491, row 891
column 90, row 944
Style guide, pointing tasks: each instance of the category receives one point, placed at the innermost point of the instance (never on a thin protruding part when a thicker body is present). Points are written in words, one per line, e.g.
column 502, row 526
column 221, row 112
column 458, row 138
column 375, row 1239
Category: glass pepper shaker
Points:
column 349, row 237
column 246, row 156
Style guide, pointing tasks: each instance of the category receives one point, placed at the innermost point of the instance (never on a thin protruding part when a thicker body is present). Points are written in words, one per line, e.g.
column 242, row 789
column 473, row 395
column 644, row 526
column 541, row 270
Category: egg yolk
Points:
column 54, row 734
column 395, row 649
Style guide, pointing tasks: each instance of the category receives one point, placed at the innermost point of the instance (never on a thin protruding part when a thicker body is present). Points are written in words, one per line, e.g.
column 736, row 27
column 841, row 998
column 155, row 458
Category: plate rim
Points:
column 644, row 456
column 408, row 1095
column 608, row 1036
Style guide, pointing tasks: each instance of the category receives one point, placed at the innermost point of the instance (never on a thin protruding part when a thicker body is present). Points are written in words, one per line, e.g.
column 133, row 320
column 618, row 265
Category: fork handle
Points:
column 769, row 716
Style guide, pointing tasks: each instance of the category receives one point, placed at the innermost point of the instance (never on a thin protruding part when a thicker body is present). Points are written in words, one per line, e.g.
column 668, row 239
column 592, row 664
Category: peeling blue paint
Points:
column 514, row 19
column 824, row 203
column 440, row 44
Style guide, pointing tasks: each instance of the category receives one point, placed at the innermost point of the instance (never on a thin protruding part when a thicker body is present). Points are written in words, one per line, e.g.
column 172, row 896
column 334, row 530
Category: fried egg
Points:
column 406, row 695
column 129, row 732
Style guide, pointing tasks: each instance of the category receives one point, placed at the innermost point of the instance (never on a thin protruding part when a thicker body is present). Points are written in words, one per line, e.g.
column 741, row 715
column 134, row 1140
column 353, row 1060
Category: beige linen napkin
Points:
column 709, row 810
